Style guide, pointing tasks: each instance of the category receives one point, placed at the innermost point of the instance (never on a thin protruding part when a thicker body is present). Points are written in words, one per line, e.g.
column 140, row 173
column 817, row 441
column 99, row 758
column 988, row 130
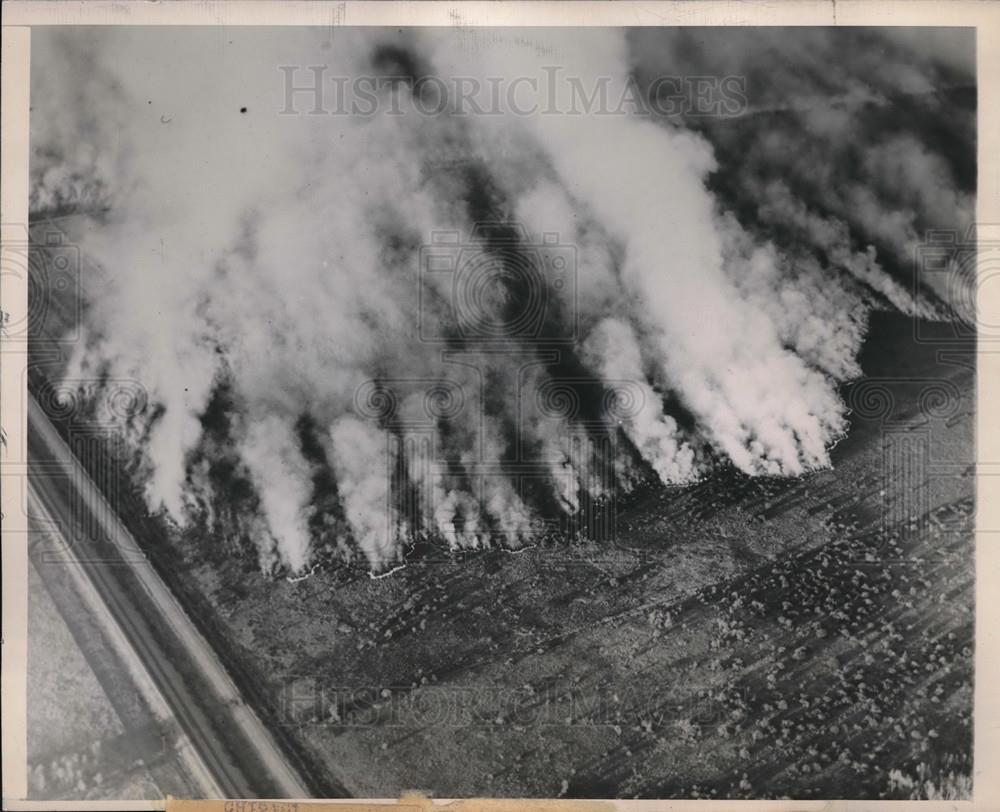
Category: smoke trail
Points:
column 282, row 479
column 615, row 352
column 832, row 236
column 362, row 461
column 873, row 128
column 266, row 281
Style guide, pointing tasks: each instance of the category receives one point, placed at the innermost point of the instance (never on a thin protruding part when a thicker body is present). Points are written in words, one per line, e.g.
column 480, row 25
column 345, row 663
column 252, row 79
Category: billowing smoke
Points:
column 321, row 384
column 864, row 137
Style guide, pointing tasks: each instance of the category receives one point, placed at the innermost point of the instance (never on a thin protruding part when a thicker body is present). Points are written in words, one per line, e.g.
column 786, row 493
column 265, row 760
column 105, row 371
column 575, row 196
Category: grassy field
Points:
column 78, row 746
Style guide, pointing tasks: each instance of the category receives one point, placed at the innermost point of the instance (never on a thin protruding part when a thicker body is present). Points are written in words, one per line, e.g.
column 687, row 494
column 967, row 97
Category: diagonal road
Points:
column 49, row 549
column 234, row 753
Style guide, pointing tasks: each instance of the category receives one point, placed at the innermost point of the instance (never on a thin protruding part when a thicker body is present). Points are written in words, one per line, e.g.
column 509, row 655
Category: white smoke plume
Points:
column 362, row 460
column 282, row 479
column 614, row 351
column 310, row 384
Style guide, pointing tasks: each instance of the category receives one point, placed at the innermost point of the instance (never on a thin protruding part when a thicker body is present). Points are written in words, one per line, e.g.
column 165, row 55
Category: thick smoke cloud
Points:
column 754, row 400
column 868, row 134
column 315, row 391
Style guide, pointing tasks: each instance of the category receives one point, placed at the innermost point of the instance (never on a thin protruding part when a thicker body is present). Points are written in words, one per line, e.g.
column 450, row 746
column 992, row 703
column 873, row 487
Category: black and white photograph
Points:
column 488, row 411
